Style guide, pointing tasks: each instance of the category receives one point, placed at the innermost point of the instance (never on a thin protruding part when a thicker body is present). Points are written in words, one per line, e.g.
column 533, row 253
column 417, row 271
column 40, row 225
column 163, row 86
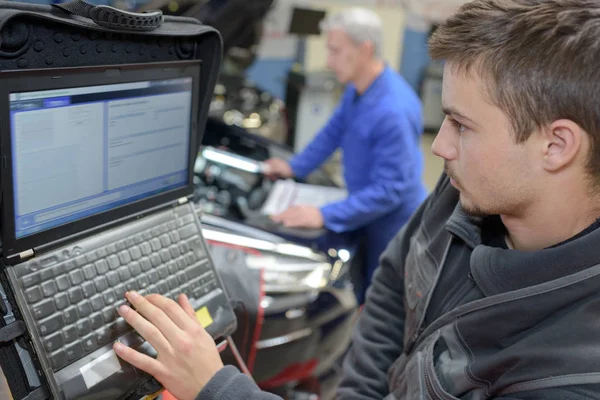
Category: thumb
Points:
column 184, row 302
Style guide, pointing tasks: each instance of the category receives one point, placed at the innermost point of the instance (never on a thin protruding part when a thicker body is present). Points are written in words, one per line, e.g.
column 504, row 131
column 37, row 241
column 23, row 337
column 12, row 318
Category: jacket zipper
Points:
column 417, row 334
column 430, row 389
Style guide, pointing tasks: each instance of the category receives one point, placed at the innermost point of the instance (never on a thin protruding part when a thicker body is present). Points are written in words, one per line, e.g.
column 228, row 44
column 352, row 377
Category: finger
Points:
column 174, row 312
column 154, row 315
column 148, row 331
column 137, row 359
column 184, row 302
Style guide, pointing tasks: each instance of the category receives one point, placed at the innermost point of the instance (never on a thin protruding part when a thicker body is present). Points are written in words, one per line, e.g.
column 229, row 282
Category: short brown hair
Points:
column 540, row 59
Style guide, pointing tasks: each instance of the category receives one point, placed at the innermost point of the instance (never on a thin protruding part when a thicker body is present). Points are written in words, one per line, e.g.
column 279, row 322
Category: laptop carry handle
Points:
column 113, row 18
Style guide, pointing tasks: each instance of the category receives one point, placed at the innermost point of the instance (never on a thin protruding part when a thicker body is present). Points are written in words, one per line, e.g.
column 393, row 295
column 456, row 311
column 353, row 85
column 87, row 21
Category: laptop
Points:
column 97, row 181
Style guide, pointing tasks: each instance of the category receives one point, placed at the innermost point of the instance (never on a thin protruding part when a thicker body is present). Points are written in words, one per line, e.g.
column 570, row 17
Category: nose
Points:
column 444, row 145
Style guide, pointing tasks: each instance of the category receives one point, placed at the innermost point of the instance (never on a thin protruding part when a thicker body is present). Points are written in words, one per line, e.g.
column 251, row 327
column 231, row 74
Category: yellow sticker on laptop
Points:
column 204, row 317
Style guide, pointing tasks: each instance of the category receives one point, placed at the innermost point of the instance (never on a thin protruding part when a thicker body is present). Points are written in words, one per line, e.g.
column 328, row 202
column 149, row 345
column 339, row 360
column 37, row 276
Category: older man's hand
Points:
column 300, row 217
column 187, row 355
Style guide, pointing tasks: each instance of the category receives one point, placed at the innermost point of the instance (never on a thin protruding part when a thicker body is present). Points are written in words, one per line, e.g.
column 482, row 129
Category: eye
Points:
column 459, row 127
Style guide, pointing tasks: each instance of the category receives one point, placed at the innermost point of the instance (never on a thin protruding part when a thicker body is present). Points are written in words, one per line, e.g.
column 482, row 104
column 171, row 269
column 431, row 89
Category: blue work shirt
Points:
column 379, row 133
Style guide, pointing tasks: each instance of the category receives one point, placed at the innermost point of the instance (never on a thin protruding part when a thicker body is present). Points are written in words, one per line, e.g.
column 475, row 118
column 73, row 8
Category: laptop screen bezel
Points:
column 68, row 78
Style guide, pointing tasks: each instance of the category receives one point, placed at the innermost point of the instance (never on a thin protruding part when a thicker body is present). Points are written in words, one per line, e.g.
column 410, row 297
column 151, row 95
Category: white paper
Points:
column 287, row 193
column 100, row 369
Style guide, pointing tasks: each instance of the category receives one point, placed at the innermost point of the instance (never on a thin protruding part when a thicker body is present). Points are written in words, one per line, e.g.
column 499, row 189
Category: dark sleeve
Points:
column 230, row 384
column 582, row 392
column 377, row 340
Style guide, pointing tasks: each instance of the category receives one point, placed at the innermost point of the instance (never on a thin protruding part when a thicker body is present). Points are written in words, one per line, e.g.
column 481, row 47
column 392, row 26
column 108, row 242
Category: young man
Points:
column 492, row 290
column 378, row 126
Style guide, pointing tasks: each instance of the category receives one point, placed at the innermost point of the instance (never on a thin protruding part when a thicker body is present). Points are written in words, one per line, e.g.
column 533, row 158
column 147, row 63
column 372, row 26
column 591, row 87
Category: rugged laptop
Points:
column 97, row 174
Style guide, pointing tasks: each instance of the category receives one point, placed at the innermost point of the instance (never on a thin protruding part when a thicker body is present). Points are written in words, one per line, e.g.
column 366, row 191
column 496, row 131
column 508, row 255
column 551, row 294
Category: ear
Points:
column 563, row 142
column 368, row 48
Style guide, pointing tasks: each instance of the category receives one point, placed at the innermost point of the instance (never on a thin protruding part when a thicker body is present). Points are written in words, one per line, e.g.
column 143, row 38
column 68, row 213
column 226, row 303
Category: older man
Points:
column 378, row 126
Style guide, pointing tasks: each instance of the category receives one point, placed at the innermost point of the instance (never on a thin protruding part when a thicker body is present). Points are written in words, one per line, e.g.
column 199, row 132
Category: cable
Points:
column 238, row 357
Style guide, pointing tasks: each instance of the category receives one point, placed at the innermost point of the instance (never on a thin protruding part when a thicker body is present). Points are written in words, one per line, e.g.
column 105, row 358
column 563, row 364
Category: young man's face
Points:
column 344, row 57
column 493, row 173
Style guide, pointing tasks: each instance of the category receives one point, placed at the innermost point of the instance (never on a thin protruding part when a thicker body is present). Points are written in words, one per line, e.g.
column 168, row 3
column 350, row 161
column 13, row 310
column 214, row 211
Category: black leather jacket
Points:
column 518, row 326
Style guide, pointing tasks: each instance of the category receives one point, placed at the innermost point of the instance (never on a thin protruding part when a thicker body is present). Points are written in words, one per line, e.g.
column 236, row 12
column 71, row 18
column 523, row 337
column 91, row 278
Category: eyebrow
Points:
column 454, row 112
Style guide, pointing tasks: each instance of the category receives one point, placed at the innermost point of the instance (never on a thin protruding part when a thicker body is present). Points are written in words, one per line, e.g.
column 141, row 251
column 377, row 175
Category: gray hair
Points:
column 360, row 24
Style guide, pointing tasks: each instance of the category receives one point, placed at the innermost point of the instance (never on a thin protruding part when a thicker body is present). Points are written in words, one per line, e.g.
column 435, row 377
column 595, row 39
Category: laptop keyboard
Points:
column 73, row 298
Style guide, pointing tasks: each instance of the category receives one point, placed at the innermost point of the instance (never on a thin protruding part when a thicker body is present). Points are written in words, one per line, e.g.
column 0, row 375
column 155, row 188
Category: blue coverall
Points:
column 379, row 133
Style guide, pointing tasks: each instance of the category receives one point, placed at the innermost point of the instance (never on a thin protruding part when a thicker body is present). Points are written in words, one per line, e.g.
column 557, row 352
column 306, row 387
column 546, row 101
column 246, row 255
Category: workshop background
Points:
column 407, row 24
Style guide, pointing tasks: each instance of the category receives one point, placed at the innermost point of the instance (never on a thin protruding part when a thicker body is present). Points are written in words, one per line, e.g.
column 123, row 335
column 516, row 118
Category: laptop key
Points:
column 33, row 295
column 89, row 272
column 187, row 231
column 113, row 262
column 124, row 257
column 120, row 290
column 89, row 342
column 46, row 274
column 63, row 283
column 113, row 278
column 83, row 327
column 174, row 236
column 84, row 309
column 49, row 288
column 81, row 261
column 102, row 336
column 53, row 342
column 124, row 274
column 155, row 260
column 91, row 257
column 162, row 287
column 101, row 284
column 135, row 253
column 146, row 248
column 70, row 315
column 109, row 297
column 96, row 320
column 75, row 295
column 50, row 325
column 109, row 315
column 165, row 241
column 101, row 267
column 74, row 351
column 172, row 267
column 153, row 276
column 163, row 272
column 165, row 256
column 111, row 248
column 43, row 309
column 58, row 270
column 101, row 252
column 143, row 281
column 145, row 264
column 97, row 302
column 58, row 359
column 175, row 252
column 61, row 301
column 31, row 279
column 88, row 289
column 155, row 243
column 76, row 277
column 69, row 334
column 135, row 268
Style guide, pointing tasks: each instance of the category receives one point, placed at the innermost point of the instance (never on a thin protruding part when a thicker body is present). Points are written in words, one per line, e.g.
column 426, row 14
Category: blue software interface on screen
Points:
column 81, row 151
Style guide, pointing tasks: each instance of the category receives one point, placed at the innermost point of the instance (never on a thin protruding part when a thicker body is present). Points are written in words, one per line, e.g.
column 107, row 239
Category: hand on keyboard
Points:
column 187, row 355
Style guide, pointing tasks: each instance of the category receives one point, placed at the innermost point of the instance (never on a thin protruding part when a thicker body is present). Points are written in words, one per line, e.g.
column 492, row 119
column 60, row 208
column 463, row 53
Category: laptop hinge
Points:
column 183, row 200
column 22, row 256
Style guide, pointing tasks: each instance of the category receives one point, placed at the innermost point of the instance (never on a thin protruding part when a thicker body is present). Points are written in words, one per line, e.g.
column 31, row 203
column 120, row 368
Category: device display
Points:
column 86, row 150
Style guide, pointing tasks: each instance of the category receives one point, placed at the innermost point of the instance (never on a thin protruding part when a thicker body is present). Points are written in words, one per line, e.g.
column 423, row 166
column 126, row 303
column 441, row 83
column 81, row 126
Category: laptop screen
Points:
column 86, row 150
